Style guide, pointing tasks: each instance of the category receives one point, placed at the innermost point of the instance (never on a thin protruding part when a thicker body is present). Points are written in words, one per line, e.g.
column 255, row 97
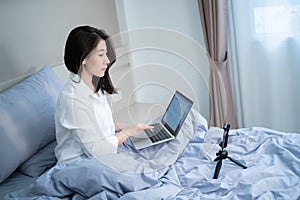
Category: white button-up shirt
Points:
column 84, row 123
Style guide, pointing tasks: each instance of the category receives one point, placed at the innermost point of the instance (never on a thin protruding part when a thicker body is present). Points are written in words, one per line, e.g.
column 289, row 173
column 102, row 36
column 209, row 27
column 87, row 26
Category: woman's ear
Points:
column 83, row 62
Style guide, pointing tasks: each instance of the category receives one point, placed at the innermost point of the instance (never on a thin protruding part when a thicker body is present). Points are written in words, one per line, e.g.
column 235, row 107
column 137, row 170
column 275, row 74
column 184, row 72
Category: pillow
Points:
column 39, row 162
column 27, row 118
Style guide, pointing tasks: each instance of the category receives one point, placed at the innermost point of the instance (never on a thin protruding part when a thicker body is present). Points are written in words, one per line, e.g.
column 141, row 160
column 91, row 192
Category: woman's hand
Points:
column 134, row 129
column 120, row 126
column 130, row 130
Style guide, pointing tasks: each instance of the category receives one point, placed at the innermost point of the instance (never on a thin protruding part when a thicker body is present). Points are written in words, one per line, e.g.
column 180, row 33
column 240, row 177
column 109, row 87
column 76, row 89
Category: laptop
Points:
column 169, row 126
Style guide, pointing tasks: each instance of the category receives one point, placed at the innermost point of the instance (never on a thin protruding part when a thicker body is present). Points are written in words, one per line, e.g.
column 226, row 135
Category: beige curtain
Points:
column 214, row 18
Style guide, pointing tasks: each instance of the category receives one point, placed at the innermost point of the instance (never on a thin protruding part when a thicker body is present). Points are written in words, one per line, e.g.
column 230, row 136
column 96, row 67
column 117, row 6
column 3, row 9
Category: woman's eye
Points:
column 100, row 55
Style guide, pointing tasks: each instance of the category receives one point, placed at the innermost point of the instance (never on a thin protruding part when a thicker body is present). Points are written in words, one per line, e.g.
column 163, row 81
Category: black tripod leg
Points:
column 218, row 168
column 236, row 162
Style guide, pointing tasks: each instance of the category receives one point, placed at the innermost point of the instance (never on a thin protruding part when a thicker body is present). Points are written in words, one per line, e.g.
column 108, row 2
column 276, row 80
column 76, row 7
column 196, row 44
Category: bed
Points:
column 179, row 169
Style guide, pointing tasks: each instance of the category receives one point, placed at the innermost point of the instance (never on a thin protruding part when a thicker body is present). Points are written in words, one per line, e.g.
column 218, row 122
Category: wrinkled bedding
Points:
column 182, row 169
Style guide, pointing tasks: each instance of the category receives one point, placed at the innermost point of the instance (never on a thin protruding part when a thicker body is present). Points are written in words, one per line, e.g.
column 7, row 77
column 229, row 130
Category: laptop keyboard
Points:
column 158, row 134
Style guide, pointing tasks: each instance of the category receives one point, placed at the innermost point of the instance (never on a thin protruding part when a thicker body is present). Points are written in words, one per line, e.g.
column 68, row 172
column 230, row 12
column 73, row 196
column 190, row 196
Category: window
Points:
column 277, row 19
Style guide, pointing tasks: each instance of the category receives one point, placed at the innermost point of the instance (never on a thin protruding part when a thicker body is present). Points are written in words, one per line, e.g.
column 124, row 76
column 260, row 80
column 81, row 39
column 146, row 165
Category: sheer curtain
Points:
column 264, row 62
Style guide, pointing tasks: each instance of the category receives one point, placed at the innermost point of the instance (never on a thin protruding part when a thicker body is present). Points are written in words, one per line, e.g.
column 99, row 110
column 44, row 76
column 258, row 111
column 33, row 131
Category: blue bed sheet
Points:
column 182, row 169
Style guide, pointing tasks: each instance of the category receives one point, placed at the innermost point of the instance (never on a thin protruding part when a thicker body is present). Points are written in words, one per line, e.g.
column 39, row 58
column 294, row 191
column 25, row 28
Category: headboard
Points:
column 60, row 70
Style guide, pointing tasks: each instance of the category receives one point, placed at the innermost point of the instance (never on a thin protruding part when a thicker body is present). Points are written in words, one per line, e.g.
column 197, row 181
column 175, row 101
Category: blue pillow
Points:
column 27, row 118
column 39, row 162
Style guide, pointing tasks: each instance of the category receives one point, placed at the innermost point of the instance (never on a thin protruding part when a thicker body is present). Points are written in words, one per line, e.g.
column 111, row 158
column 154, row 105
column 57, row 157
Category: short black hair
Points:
column 80, row 42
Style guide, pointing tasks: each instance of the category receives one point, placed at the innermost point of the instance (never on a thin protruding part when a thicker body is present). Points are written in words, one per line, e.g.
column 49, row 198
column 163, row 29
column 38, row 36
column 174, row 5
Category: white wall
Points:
column 163, row 58
column 33, row 32
column 166, row 49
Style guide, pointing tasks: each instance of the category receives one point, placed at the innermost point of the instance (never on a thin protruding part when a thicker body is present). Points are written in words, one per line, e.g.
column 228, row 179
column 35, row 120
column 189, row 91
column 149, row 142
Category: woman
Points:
column 83, row 118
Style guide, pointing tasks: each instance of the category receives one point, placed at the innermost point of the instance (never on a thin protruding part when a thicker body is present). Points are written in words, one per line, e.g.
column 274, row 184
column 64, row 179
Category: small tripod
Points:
column 223, row 154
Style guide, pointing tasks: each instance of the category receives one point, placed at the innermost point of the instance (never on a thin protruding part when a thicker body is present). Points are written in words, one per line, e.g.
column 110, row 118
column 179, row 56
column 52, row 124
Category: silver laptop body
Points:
column 169, row 126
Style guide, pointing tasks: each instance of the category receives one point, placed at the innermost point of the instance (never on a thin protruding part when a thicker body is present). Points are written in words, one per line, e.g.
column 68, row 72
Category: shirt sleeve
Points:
column 78, row 117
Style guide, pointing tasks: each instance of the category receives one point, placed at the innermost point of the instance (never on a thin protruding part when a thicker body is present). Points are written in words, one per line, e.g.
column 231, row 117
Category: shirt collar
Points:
column 80, row 85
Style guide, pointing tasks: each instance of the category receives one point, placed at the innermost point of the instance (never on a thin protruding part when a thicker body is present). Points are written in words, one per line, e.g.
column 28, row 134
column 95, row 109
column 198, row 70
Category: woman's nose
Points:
column 107, row 61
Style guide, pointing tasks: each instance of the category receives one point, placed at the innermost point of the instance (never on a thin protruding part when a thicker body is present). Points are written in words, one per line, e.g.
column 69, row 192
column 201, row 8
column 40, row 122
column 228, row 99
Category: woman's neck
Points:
column 87, row 78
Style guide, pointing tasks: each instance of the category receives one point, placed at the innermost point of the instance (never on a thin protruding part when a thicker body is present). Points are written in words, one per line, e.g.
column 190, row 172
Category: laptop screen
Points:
column 176, row 112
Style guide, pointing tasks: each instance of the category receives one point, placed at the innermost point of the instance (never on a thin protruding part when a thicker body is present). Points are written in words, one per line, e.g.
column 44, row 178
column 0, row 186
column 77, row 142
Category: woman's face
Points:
column 96, row 62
